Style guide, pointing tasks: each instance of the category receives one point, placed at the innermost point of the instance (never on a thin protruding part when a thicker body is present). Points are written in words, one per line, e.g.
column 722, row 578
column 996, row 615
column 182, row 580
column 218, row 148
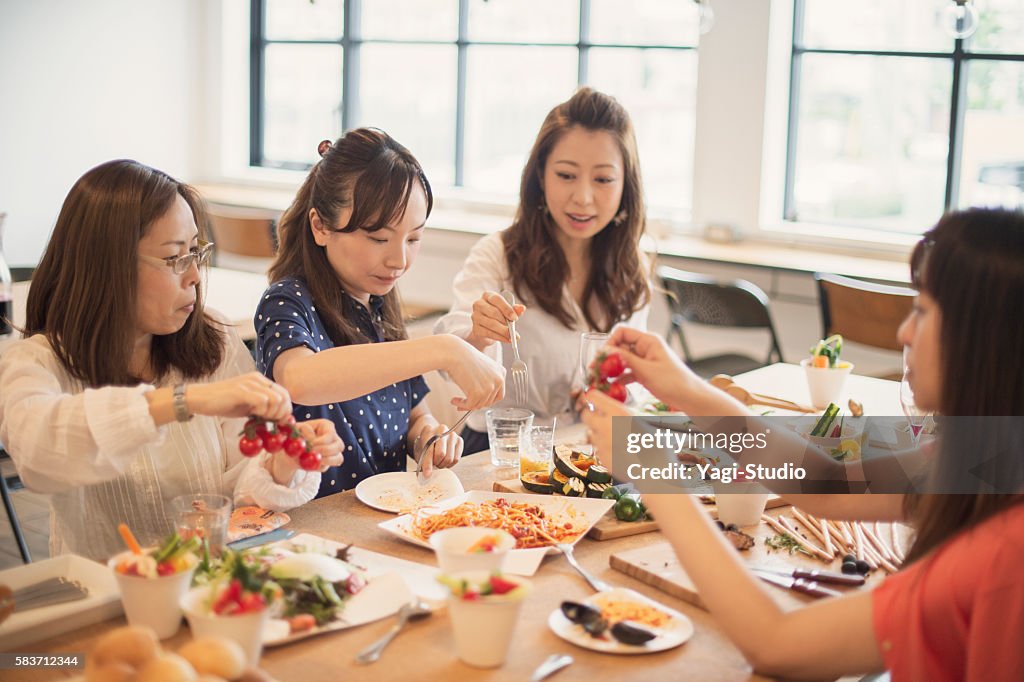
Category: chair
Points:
column 703, row 300
column 863, row 312
column 245, row 233
column 7, row 484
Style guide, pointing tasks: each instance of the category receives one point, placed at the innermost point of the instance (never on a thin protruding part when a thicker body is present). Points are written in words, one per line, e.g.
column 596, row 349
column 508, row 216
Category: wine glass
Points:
column 916, row 417
column 591, row 344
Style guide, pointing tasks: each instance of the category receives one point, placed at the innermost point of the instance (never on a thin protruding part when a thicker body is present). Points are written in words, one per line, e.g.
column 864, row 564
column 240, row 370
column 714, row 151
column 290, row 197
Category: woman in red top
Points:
column 956, row 611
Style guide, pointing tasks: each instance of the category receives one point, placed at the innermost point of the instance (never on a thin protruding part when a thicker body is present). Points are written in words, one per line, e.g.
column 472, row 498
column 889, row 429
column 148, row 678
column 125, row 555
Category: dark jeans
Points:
column 474, row 441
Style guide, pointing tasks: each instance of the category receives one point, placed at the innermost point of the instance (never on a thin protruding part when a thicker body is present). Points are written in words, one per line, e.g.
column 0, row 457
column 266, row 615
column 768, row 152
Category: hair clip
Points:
column 323, row 147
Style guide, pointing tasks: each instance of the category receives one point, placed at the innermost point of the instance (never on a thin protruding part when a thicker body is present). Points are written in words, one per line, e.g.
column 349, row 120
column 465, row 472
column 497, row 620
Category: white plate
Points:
column 103, row 602
column 391, row 583
column 398, row 491
column 588, row 511
column 677, row 632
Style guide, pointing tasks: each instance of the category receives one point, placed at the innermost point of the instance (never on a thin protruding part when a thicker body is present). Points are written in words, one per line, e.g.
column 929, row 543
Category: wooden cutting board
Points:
column 609, row 527
column 657, row 565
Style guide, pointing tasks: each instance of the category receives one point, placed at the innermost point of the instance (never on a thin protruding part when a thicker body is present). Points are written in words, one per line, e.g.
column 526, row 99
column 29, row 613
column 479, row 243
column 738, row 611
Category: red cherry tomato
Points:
column 273, row 442
column 293, row 447
column 252, row 602
column 250, row 447
column 164, row 568
column 261, row 429
column 284, row 428
column 617, row 391
column 310, row 461
column 612, row 366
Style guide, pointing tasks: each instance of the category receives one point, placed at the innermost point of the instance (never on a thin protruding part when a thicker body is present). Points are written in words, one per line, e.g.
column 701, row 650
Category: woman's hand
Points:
column 246, row 395
column 491, row 315
column 650, row 361
column 444, row 453
column 481, row 378
column 322, row 437
column 597, row 413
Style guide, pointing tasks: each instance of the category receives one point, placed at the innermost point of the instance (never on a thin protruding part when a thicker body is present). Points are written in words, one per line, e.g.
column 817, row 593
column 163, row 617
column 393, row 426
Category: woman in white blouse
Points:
column 125, row 392
column 572, row 255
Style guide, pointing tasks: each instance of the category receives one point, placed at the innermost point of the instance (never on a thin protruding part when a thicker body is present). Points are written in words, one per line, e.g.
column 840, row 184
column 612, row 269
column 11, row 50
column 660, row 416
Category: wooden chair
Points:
column 863, row 312
column 245, row 232
column 703, row 300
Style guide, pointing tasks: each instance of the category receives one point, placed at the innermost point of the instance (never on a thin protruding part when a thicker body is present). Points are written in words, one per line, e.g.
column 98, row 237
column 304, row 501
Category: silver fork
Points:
column 430, row 441
column 411, row 611
column 595, row 582
column 520, row 375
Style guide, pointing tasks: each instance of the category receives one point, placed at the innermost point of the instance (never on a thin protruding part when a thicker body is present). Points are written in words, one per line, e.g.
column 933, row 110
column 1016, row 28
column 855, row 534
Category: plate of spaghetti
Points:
column 536, row 522
column 670, row 627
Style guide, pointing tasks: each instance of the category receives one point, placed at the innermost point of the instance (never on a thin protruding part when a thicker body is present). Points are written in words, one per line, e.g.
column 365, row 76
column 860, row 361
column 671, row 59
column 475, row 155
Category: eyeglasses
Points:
column 199, row 255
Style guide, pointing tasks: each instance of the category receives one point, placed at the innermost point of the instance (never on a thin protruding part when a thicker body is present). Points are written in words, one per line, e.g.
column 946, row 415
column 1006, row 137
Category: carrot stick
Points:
column 129, row 539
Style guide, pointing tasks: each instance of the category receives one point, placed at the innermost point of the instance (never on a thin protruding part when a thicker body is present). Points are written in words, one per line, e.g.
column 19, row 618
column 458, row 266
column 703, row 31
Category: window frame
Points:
column 351, row 43
column 959, row 59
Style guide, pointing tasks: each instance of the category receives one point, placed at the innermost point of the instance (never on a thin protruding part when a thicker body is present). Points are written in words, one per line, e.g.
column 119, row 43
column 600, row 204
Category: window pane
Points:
column 409, row 91
column 303, row 100
column 648, row 22
column 509, row 92
column 876, row 25
column 410, row 19
column 872, row 141
column 533, row 21
column 658, row 88
column 992, row 165
column 304, row 20
column 1001, row 28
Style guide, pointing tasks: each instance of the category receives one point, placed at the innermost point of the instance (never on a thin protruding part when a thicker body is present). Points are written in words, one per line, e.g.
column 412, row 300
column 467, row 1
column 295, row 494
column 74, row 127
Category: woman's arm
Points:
column 348, row 372
column 828, row 638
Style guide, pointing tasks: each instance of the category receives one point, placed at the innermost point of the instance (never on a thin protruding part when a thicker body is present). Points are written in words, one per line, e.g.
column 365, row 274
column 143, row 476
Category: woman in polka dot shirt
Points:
column 329, row 328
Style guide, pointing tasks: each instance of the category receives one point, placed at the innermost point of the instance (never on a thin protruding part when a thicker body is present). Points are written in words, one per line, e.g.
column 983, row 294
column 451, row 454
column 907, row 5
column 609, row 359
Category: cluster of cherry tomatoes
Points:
column 259, row 435
column 603, row 373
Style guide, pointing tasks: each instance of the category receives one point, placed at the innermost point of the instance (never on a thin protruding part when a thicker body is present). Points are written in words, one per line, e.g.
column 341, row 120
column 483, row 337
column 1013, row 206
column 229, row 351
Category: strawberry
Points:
column 501, row 586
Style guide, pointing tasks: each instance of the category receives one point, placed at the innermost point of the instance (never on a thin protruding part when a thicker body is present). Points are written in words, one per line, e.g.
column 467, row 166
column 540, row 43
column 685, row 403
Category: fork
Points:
column 410, row 611
column 520, row 376
column 430, row 441
column 595, row 582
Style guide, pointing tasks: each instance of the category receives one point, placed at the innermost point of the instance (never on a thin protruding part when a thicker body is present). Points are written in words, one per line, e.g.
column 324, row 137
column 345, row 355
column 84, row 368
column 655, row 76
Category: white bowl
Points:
column 152, row 602
column 244, row 628
column 452, row 548
column 826, row 383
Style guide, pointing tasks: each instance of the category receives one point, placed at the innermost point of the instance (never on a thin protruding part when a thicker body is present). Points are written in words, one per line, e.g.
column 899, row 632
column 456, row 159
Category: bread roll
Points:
column 133, row 645
column 215, row 656
column 167, row 668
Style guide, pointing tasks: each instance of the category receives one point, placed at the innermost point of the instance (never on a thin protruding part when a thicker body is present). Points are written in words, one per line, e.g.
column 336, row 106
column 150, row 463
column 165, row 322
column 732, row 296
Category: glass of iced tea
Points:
column 203, row 516
column 536, row 448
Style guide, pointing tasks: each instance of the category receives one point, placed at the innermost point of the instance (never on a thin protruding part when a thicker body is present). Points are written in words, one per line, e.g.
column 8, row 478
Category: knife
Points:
column 551, row 665
column 808, row 587
column 262, row 539
column 816, row 575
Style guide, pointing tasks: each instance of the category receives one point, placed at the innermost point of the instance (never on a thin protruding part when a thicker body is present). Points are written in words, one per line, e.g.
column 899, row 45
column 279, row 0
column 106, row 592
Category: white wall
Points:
column 82, row 82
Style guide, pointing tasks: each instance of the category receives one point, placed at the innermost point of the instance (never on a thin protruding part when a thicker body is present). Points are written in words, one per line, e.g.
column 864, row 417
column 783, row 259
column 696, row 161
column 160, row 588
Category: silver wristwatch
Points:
column 181, row 412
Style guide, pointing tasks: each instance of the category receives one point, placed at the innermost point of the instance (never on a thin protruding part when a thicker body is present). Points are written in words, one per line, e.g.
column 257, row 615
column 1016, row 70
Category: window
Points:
column 465, row 84
column 892, row 121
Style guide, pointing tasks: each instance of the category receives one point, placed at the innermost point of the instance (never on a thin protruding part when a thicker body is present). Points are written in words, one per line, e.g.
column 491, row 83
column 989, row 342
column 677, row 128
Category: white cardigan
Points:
column 549, row 349
column 102, row 459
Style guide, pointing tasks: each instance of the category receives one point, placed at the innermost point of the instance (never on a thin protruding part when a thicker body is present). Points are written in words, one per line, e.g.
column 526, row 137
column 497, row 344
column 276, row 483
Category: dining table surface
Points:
column 425, row 651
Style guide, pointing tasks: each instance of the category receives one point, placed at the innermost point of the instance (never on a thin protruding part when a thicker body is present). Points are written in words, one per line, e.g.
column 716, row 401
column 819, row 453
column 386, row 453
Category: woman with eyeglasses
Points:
column 125, row 391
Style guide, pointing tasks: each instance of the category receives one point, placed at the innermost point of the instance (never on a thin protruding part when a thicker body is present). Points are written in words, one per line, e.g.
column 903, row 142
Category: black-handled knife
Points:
column 852, row 580
column 802, row 585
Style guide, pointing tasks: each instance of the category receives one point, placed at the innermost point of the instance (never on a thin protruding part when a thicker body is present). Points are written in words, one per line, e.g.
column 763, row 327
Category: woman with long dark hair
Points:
column 97, row 402
column 572, row 255
column 330, row 329
column 956, row 609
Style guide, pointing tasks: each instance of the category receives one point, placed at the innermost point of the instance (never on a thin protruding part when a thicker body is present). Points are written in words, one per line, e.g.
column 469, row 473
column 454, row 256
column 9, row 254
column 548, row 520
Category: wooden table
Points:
column 426, row 650
column 233, row 293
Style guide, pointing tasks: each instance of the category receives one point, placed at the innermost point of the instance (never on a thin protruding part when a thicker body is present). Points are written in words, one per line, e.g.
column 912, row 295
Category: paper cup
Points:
column 742, row 505
column 452, row 548
column 825, row 383
column 245, row 628
column 483, row 628
column 152, row 602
